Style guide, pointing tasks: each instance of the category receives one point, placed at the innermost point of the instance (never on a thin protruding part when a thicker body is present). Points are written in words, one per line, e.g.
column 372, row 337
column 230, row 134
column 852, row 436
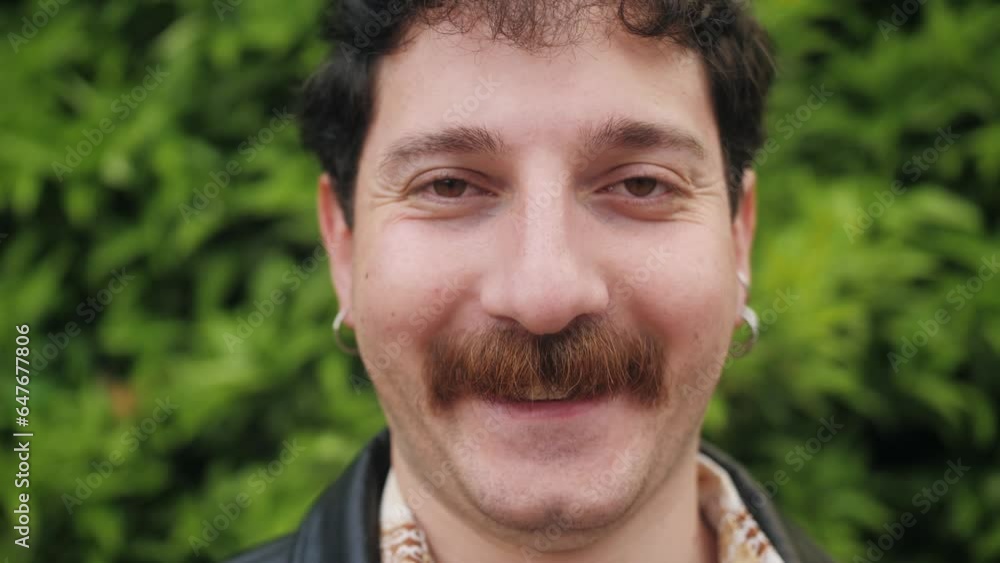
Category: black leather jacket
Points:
column 343, row 525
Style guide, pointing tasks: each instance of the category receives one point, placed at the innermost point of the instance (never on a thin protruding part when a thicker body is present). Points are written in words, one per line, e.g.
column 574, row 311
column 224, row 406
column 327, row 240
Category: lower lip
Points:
column 547, row 409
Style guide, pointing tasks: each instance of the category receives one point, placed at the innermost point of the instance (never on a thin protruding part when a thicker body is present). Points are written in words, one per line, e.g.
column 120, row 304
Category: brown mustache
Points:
column 590, row 358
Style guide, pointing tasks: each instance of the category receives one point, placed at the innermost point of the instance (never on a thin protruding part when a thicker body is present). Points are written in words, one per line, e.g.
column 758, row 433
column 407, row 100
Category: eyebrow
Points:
column 613, row 132
column 628, row 133
column 452, row 140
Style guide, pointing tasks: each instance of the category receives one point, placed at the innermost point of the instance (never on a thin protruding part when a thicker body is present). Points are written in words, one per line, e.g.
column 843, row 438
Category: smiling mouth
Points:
column 541, row 395
column 547, row 409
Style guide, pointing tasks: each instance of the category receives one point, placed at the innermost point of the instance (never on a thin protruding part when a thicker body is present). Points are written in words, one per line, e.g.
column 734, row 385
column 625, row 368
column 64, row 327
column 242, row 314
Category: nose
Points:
column 545, row 274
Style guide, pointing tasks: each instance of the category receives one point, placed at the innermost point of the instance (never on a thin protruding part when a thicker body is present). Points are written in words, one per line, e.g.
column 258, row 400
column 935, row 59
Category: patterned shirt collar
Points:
column 740, row 539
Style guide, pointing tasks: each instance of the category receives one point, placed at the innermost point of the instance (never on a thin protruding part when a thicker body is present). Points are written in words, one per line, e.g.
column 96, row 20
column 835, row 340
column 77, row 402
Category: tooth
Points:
column 543, row 394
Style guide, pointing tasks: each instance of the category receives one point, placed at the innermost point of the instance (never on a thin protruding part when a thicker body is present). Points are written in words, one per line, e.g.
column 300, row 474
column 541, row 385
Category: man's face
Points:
column 532, row 226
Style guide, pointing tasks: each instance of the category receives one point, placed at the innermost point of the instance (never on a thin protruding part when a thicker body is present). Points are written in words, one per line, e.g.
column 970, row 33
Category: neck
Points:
column 666, row 526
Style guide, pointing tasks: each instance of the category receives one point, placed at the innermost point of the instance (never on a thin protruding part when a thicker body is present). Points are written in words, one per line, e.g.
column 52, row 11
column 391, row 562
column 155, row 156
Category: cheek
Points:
column 689, row 299
column 691, row 309
column 405, row 291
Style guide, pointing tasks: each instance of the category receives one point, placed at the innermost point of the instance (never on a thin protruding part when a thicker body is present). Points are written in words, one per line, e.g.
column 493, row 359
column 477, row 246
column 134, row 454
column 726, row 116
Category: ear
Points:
column 744, row 225
column 337, row 239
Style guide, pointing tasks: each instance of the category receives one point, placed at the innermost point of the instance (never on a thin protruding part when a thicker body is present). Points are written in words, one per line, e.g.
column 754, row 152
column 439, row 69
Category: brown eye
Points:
column 640, row 187
column 449, row 187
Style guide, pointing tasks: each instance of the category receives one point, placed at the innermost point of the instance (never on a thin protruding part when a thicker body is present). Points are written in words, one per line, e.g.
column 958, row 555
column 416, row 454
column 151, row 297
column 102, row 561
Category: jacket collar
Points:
column 343, row 524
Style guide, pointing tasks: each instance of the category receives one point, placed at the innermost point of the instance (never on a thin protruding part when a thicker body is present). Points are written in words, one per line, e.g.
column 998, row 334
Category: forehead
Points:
column 539, row 98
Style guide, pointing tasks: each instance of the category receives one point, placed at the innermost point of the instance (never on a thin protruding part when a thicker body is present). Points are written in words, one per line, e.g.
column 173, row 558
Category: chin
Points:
column 568, row 476
column 569, row 509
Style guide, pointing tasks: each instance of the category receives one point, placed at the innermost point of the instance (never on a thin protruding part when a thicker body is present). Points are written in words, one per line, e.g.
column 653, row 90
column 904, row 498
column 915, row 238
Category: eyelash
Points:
column 428, row 184
column 669, row 188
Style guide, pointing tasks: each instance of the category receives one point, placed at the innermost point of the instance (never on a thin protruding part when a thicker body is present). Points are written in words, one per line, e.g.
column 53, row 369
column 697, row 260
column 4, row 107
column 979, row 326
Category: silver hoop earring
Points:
column 337, row 321
column 743, row 281
column 751, row 319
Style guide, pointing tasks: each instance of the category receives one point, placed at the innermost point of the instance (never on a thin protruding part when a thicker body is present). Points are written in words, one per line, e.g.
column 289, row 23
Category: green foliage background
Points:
column 858, row 292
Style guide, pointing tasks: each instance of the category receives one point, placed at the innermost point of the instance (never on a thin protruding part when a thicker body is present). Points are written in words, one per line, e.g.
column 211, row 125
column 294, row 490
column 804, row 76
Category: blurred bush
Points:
column 158, row 236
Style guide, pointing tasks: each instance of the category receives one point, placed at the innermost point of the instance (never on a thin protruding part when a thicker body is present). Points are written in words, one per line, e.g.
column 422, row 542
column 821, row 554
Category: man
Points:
column 539, row 217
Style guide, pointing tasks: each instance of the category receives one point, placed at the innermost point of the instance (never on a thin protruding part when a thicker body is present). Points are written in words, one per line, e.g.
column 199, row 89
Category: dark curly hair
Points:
column 338, row 98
